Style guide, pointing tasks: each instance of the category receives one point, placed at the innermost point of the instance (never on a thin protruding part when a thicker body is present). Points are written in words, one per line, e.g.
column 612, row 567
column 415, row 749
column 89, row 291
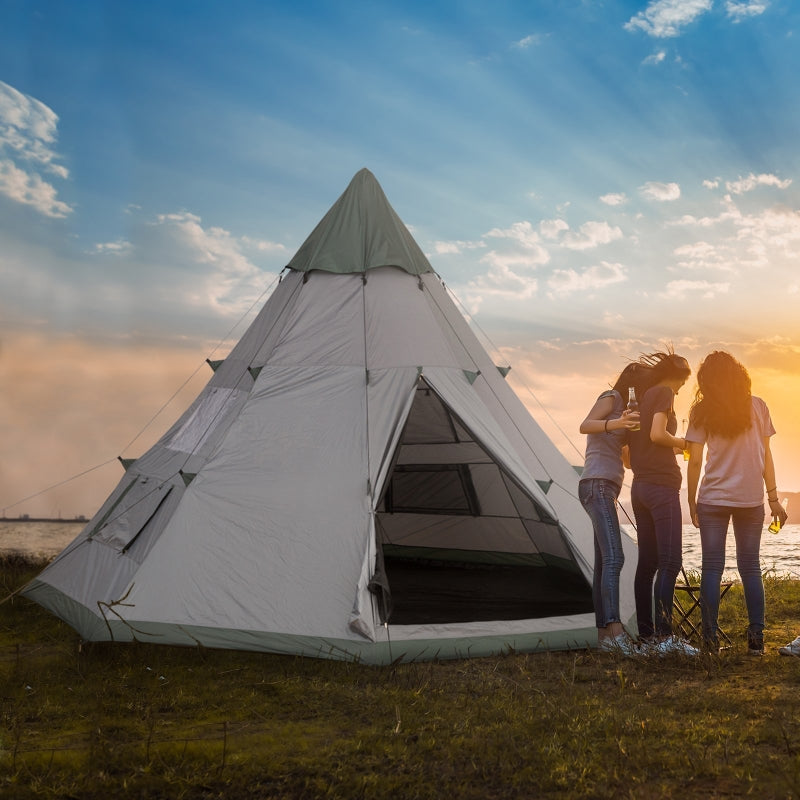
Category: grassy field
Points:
column 141, row 721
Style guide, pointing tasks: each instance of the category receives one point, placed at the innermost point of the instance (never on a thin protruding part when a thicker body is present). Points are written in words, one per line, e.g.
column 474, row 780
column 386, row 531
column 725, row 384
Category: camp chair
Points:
column 686, row 600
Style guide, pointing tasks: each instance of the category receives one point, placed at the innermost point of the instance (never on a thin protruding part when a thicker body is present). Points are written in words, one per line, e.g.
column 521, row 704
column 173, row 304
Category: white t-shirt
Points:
column 734, row 470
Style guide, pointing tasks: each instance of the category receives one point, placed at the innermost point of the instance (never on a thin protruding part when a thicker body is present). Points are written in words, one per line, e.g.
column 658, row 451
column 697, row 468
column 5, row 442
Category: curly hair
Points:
column 722, row 404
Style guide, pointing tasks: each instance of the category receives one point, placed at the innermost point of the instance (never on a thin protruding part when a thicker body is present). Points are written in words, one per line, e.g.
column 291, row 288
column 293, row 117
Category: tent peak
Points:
column 361, row 231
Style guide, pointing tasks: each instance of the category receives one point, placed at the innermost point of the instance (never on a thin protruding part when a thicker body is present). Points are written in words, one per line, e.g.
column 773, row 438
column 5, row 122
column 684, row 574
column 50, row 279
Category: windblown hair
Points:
column 650, row 369
column 722, row 405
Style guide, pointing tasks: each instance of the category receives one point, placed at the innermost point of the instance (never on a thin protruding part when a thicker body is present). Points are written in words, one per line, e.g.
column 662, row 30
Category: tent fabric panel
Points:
column 458, row 532
column 90, row 573
column 255, row 345
column 459, row 395
column 442, row 453
column 238, row 553
column 325, row 326
column 401, row 328
column 390, row 393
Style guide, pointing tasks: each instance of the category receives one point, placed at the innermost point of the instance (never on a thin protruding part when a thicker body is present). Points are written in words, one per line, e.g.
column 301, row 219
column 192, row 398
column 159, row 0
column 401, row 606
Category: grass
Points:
column 142, row 721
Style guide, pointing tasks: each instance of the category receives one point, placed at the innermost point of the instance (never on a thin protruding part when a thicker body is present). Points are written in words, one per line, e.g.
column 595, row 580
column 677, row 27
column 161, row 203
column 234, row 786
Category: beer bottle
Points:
column 633, row 405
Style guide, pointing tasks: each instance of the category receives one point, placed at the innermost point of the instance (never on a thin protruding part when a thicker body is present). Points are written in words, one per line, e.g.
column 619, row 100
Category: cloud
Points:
column 655, row 58
column 660, row 192
column 30, row 190
column 749, row 183
column 182, row 240
column 614, row 199
column 709, row 184
column 737, row 11
column 666, row 18
column 118, row 248
column 703, row 256
column 592, row 234
column 567, row 281
column 520, row 232
column 528, row 41
column 551, row 228
column 455, row 247
column 524, row 236
column 706, row 289
column 28, row 131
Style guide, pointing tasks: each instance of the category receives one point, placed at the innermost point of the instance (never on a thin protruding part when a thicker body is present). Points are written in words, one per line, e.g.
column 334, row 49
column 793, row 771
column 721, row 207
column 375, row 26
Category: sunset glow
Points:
column 591, row 181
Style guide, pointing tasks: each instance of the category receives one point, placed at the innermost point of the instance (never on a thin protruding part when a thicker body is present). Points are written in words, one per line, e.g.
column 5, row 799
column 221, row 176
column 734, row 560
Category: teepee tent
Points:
column 356, row 481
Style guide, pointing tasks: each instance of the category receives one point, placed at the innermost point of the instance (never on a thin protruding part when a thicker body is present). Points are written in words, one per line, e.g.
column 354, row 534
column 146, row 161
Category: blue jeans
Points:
column 599, row 498
column 659, row 533
column 747, row 526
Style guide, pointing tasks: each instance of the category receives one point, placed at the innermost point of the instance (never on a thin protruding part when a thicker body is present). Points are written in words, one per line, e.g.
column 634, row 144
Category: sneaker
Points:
column 621, row 644
column 672, row 644
column 791, row 649
column 755, row 643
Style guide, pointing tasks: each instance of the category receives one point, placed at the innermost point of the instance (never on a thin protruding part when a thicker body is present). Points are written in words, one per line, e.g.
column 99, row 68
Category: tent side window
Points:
column 431, row 489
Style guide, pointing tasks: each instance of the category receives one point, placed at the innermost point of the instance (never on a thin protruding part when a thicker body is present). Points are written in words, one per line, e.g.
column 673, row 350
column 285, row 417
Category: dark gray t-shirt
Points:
column 650, row 462
column 604, row 450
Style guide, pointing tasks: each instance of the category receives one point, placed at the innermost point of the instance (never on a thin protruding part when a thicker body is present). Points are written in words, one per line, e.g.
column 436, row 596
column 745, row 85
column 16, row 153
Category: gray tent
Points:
column 356, row 481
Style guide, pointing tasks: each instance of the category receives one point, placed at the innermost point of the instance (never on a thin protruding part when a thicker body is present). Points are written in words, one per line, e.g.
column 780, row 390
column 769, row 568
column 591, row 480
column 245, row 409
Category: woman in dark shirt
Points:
column 656, row 505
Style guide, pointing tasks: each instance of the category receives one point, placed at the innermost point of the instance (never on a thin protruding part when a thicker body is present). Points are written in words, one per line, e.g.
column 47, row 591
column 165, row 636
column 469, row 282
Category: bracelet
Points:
column 772, row 500
column 773, row 489
column 605, row 426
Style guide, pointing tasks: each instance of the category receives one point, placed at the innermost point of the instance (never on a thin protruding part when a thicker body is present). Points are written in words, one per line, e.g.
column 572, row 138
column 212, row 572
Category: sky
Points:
column 592, row 179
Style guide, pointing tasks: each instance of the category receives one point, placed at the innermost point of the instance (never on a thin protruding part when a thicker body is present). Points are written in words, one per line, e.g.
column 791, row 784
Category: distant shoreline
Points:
column 76, row 520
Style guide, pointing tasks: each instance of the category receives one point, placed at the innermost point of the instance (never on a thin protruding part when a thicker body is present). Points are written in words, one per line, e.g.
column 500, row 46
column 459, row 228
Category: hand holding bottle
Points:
column 779, row 515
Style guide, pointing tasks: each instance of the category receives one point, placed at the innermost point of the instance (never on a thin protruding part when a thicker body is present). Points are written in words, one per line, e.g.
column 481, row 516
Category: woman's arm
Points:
column 693, row 477
column 597, row 419
column 660, row 435
column 775, row 508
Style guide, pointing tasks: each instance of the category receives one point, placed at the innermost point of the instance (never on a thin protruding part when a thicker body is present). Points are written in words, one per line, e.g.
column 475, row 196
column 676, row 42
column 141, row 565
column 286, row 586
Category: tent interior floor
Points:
column 425, row 592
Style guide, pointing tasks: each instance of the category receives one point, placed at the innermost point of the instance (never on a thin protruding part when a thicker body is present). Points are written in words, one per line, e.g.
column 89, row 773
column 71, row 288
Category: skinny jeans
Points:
column 599, row 498
column 659, row 532
column 747, row 526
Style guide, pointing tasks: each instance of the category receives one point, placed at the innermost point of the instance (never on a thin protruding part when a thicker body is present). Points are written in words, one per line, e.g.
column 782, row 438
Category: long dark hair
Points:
column 650, row 369
column 722, row 404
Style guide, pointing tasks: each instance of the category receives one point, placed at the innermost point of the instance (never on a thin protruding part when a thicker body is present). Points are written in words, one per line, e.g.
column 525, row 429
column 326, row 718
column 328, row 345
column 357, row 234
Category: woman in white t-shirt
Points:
column 735, row 427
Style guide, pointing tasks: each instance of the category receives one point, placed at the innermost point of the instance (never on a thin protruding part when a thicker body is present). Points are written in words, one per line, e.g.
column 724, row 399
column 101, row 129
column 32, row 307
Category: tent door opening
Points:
column 459, row 539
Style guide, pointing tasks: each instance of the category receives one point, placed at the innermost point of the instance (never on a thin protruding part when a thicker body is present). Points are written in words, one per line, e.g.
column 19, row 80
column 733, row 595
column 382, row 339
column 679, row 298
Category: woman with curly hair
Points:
column 735, row 427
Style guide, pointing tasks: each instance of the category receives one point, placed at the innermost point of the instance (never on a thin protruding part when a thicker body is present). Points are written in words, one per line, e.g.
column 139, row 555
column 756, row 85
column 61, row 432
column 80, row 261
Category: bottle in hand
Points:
column 633, row 405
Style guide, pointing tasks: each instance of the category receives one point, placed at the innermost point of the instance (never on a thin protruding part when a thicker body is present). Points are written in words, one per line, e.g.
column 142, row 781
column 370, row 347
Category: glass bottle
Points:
column 633, row 405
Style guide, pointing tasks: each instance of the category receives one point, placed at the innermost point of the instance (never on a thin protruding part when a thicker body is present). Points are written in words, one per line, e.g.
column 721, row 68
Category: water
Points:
column 38, row 538
column 779, row 552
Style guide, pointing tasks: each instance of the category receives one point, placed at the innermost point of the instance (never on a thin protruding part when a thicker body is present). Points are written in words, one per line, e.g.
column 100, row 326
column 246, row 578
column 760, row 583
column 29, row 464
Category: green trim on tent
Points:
column 503, row 370
column 578, row 469
column 215, row 364
column 188, row 477
column 126, row 462
column 545, row 485
column 464, row 556
column 471, row 376
column 361, row 231
column 254, row 372
column 94, row 628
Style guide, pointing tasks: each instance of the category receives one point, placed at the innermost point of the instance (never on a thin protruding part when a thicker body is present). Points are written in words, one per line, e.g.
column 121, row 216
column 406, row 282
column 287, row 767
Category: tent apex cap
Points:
column 361, row 231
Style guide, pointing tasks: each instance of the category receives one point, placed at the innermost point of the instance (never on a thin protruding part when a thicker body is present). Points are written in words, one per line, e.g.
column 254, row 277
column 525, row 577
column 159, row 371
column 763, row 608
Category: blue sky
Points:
column 591, row 179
